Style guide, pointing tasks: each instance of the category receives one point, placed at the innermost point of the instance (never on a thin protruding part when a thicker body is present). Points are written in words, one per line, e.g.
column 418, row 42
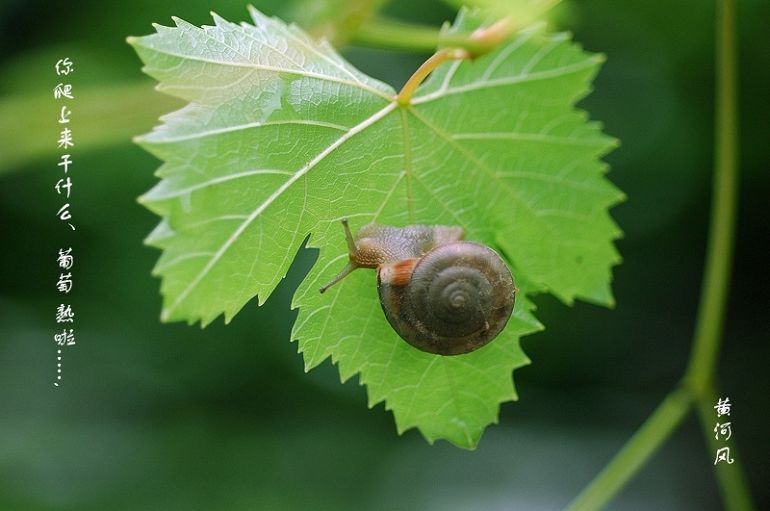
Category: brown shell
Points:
column 458, row 298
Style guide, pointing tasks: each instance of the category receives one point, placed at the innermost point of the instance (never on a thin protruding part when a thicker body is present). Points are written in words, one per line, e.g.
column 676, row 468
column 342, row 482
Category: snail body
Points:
column 441, row 294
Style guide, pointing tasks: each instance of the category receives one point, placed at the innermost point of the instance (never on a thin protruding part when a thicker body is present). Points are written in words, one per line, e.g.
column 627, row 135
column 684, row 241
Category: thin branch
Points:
column 701, row 371
column 635, row 453
column 382, row 32
column 698, row 384
column 716, row 278
column 731, row 477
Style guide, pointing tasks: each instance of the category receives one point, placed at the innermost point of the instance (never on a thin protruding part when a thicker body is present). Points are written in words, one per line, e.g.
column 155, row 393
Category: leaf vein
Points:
column 239, row 127
column 258, row 211
column 501, row 82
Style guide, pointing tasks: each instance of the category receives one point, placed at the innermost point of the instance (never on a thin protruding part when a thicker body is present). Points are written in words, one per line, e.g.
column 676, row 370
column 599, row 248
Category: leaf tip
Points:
column 218, row 20
column 255, row 14
column 567, row 299
column 467, row 443
column 180, row 23
column 204, row 320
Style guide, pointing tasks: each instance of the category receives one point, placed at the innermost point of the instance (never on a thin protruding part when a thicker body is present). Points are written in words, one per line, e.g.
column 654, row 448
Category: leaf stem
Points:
column 404, row 96
column 639, row 448
column 484, row 39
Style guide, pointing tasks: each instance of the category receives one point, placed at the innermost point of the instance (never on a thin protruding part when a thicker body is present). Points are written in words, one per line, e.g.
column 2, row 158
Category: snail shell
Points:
column 442, row 295
column 456, row 298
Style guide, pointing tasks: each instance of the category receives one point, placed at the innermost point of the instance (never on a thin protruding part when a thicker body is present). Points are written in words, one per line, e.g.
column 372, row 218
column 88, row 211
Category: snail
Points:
column 441, row 294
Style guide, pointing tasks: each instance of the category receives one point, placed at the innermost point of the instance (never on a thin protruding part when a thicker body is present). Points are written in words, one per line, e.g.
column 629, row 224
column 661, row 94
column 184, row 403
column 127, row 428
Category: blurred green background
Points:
column 154, row 416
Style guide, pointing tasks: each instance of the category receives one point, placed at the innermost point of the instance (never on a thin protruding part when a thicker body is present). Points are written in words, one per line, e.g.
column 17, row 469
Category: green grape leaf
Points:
column 282, row 138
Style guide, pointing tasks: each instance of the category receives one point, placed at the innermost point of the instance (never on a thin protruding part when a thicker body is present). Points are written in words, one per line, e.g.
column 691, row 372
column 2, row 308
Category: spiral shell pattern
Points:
column 458, row 298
